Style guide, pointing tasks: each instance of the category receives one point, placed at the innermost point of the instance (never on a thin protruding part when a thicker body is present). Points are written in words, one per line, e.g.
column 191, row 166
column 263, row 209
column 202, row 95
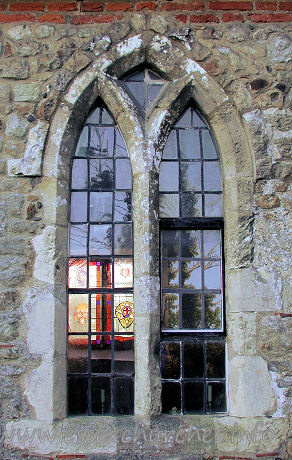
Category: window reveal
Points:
column 100, row 273
column 192, row 321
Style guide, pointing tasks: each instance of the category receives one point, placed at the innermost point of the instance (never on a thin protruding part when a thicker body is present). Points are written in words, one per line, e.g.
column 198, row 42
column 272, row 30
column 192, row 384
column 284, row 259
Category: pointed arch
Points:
column 145, row 139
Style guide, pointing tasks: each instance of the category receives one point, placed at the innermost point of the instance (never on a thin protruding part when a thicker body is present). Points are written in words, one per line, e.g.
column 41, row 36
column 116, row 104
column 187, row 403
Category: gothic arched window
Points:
column 100, row 272
column 192, row 316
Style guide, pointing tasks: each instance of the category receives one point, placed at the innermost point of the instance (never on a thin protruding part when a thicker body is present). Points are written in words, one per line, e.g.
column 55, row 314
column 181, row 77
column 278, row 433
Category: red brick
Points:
column 115, row 6
column 285, row 6
column 269, row 6
column 51, row 17
column 181, row 17
column 2, row 7
column 92, row 6
column 92, row 19
column 268, row 454
column 270, row 17
column 241, row 6
column 229, row 17
column 6, row 346
column 62, row 6
column 149, row 5
column 119, row 17
column 31, row 6
column 204, row 18
column 17, row 17
column 190, row 6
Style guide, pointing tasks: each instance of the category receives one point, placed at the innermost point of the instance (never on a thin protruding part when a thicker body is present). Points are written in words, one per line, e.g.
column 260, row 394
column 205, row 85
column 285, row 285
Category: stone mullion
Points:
column 146, row 296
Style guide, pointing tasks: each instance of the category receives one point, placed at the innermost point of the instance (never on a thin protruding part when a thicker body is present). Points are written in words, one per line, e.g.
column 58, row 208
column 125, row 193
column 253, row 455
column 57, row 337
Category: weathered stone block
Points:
column 28, row 49
column 19, row 32
column 31, row 163
column 12, row 270
column 44, row 31
column 26, row 92
column 15, row 69
column 249, row 387
column 16, row 125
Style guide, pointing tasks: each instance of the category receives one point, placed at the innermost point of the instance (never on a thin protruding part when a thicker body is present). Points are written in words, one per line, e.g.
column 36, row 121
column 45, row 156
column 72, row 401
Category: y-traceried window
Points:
column 100, row 272
column 192, row 319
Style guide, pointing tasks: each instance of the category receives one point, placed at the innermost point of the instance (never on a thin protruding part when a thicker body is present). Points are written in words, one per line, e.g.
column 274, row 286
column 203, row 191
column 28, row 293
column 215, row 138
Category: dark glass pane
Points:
column 170, row 149
column 123, row 269
column 169, row 205
column 123, row 239
column 191, row 274
column 123, row 206
column 101, row 357
column 191, row 205
column 121, row 149
column 100, row 395
column 153, row 75
column 168, row 176
column 101, row 314
column 170, row 243
column 77, row 353
column 100, row 240
column 185, row 120
column 136, row 89
column 170, row 360
column 191, row 311
column 79, row 174
column 213, row 311
column 124, row 395
column 193, row 396
column 170, row 273
column 212, row 274
column 213, row 205
column 78, row 207
column 137, row 76
column 189, row 144
column 106, row 118
column 191, row 243
column 101, row 141
column 212, row 176
column 215, row 359
column 82, row 146
column 101, row 175
column 193, row 360
column 190, row 176
column 101, row 206
column 123, row 174
column 209, row 150
column 124, row 314
column 171, row 311
column 124, row 355
column 212, row 243
column 77, row 395
column 94, row 117
column 153, row 91
column 216, row 399
column 171, row 398
column 78, row 240
column 78, row 313
column 77, row 273
column 197, row 121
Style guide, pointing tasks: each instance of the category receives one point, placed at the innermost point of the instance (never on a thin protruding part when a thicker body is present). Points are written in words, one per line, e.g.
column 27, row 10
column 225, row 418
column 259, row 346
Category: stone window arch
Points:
column 145, row 138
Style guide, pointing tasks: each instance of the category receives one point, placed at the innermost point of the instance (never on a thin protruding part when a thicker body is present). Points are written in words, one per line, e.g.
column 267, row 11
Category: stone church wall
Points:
column 233, row 58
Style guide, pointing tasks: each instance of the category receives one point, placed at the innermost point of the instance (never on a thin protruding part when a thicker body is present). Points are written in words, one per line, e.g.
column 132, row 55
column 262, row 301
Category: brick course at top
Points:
column 88, row 11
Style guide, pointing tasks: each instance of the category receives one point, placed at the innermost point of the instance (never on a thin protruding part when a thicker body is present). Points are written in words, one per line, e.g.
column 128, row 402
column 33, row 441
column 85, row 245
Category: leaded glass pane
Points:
column 100, row 272
column 192, row 360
